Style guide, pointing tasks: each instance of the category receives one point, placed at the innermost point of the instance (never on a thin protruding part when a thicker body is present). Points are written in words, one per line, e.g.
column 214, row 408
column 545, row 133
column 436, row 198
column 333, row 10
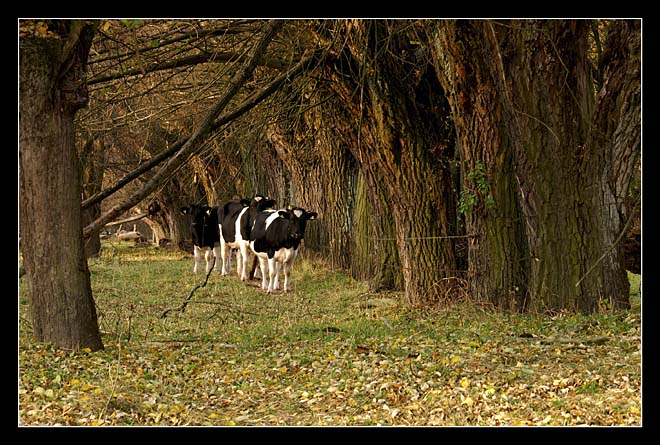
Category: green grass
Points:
column 327, row 353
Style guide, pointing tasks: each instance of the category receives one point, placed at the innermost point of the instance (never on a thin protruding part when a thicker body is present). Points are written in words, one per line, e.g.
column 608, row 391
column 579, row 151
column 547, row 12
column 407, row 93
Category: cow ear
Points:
column 184, row 210
column 245, row 202
column 289, row 208
column 312, row 215
column 209, row 211
column 283, row 214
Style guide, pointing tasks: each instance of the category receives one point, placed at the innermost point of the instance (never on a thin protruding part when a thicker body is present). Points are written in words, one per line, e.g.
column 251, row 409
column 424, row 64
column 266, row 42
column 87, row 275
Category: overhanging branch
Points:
column 196, row 140
column 245, row 106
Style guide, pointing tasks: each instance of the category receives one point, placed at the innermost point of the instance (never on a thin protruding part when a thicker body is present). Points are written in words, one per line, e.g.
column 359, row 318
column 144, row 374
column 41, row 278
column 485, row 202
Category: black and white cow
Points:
column 227, row 215
column 236, row 226
column 275, row 239
column 205, row 234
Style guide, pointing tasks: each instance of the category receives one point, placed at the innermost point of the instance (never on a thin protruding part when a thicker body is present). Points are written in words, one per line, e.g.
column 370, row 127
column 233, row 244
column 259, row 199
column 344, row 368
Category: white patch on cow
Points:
column 274, row 215
column 237, row 228
column 298, row 213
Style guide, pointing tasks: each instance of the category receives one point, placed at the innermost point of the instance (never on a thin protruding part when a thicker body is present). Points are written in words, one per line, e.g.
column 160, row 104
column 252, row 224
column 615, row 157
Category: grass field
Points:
column 327, row 353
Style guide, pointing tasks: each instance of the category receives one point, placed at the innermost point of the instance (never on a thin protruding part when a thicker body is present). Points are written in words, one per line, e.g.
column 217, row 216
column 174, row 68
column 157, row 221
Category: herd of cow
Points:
column 252, row 227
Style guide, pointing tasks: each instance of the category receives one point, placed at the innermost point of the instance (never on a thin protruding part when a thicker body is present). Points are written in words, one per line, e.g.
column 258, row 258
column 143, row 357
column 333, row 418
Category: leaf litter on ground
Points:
column 320, row 355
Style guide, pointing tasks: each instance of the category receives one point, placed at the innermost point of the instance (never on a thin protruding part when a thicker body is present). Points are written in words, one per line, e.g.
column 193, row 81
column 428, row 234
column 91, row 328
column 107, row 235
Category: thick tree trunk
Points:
column 497, row 258
column 525, row 94
column 615, row 139
column 61, row 304
column 567, row 201
column 401, row 139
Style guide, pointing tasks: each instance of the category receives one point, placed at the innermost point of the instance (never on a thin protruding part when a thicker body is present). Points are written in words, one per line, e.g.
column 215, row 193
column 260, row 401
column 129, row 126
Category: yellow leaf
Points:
column 465, row 382
column 139, row 371
column 283, row 369
column 468, row 401
column 106, row 25
column 455, row 359
column 213, row 416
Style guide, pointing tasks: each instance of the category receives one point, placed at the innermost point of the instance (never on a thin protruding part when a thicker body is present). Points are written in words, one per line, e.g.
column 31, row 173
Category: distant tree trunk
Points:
column 375, row 255
column 339, row 176
column 51, row 89
column 92, row 167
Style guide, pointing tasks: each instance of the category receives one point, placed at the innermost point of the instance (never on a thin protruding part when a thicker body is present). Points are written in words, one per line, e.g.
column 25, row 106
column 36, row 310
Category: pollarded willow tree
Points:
column 557, row 153
column 392, row 94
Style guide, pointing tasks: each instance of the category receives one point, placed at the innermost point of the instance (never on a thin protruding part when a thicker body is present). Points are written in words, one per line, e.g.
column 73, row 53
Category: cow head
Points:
column 298, row 221
column 260, row 203
column 203, row 222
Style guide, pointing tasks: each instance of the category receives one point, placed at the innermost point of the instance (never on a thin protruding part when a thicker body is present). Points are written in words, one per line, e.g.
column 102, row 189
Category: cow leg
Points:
column 198, row 258
column 225, row 253
column 263, row 265
column 272, row 274
column 208, row 255
column 239, row 263
column 243, row 252
column 287, row 275
column 216, row 255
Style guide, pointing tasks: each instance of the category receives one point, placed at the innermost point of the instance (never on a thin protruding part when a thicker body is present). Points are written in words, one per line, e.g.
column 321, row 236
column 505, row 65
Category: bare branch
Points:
column 188, row 61
column 249, row 103
column 195, row 142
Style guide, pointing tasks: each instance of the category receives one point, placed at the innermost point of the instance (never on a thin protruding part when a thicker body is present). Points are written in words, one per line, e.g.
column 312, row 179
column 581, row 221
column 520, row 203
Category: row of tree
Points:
column 497, row 159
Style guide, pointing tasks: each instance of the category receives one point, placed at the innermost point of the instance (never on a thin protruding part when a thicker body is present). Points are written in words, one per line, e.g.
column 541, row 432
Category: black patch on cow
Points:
column 258, row 205
column 203, row 224
column 227, row 214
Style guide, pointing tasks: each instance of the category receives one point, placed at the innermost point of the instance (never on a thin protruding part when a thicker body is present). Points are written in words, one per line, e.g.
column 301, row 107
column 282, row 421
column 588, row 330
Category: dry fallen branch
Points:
column 182, row 308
